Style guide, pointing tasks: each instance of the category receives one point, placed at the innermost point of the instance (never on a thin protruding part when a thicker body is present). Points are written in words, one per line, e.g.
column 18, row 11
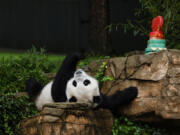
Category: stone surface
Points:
column 157, row 77
column 50, row 75
column 68, row 119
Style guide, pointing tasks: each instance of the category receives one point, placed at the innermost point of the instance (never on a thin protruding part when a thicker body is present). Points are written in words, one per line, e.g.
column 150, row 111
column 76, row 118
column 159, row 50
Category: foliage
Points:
column 12, row 110
column 149, row 9
column 13, row 74
column 15, row 71
column 99, row 75
column 89, row 59
column 123, row 126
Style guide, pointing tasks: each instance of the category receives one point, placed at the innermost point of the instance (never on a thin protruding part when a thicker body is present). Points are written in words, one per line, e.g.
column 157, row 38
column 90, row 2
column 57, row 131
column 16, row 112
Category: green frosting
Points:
column 160, row 41
column 155, row 45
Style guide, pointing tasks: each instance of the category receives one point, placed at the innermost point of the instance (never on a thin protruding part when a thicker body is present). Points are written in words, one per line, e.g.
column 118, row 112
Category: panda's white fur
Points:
column 45, row 96
column 83, row 94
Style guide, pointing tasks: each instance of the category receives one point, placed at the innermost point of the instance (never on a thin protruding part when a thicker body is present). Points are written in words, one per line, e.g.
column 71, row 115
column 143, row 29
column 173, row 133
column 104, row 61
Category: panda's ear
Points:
column 73, row 99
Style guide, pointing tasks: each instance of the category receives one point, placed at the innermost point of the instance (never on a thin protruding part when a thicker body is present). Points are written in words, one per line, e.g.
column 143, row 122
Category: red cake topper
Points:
column 157, row 24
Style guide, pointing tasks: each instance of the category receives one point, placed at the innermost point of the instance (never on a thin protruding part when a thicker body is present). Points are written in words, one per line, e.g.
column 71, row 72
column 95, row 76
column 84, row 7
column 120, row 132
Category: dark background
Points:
column 61, row 26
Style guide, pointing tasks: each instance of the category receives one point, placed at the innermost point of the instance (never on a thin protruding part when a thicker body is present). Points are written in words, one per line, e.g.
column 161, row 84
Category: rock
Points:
column 68, row 119
column 20, row 94
column 157, row 77
column 50, row 75
column 94, row 66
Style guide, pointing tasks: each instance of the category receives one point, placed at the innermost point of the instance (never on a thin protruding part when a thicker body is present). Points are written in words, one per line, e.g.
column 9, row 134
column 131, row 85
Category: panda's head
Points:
column 83, row 88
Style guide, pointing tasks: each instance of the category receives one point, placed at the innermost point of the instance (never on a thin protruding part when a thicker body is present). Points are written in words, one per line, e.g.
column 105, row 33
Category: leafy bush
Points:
column 15, row 71
column 89, row 59
column 12, row 111
column 123, row 126
column 99, row 75
column 149, row 9
column 13, row 74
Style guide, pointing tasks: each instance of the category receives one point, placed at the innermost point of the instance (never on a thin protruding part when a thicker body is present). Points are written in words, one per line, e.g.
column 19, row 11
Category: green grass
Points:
column 51, row 57
column 7, row 54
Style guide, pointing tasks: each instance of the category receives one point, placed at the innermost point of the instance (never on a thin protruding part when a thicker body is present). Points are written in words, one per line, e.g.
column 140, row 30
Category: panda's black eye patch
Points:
column 74, row 83
column 86, row 82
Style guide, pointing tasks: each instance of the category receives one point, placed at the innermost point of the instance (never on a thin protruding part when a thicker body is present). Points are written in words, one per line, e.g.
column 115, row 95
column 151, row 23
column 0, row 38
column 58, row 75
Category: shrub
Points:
column 13, row 74
column 123, row 126
column 12, row 110
column 15, row 71
column 149, row 9
column 99, row 75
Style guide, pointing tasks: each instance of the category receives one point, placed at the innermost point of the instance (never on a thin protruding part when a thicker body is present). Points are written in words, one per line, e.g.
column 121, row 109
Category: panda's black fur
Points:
column 65, row 73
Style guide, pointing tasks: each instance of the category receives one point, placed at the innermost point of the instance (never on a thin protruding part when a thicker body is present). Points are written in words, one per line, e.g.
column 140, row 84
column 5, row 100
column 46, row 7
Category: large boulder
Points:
column 157, row 77
column 68, row 119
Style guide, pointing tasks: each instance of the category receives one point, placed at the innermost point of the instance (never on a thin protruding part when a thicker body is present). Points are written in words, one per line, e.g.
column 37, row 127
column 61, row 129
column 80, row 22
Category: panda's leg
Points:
column 64, row 74
column 33, row 88
column 119, row 98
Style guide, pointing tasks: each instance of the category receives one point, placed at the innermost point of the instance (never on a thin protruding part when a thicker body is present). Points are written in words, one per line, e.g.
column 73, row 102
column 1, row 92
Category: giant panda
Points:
column 71, row 85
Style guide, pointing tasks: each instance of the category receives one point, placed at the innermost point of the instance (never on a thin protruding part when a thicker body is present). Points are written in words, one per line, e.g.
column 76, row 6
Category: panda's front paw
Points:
column 73, row 99
column 128, row 94
column 133, row 91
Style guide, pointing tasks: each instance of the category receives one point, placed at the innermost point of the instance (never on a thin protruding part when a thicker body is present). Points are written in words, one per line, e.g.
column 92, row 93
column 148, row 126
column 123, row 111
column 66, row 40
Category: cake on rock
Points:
column 156, row 40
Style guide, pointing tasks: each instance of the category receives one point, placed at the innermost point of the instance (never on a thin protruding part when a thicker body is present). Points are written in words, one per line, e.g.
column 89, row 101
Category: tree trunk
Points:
column 98, row 21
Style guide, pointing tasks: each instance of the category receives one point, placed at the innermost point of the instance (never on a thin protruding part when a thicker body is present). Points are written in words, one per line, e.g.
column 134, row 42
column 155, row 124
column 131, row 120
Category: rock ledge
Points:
column 157, row 77
column 68, row 119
